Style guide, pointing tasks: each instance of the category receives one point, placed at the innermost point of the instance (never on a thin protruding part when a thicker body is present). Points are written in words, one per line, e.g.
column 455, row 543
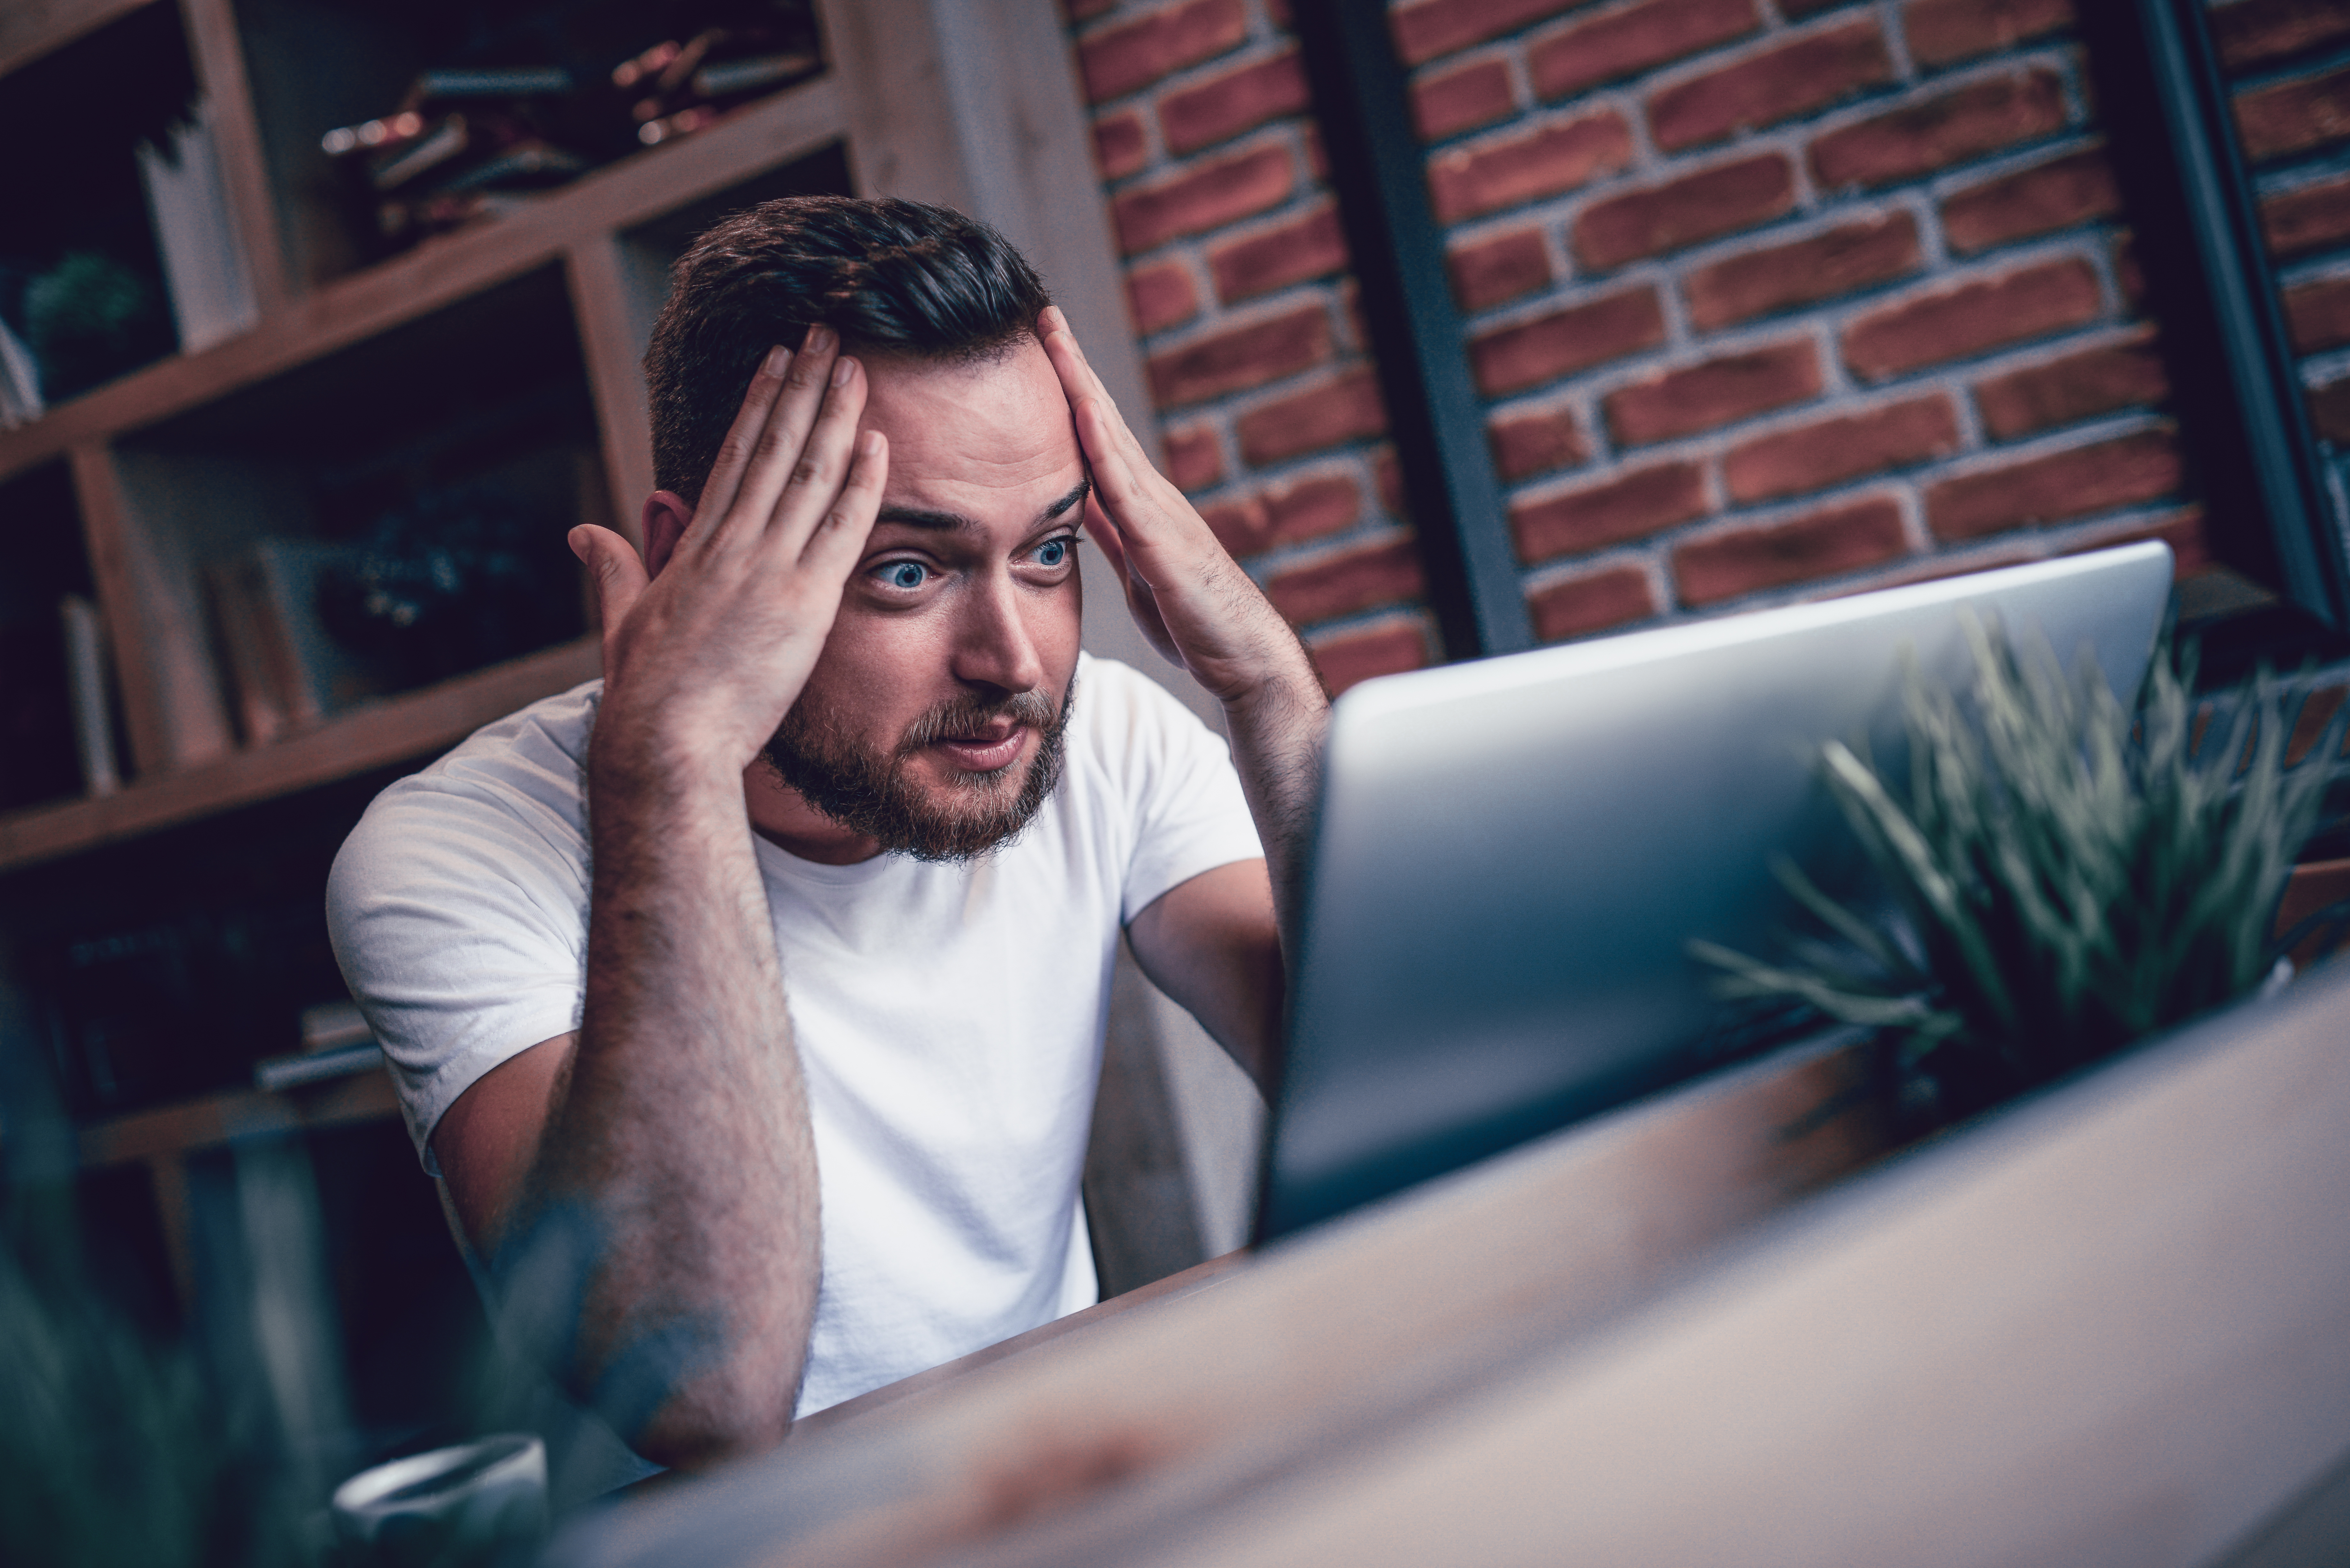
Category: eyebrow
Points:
column 956, row 521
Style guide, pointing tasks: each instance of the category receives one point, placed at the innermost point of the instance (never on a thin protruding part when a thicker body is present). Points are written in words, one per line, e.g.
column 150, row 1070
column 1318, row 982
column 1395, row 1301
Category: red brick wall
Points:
column 1769, row 298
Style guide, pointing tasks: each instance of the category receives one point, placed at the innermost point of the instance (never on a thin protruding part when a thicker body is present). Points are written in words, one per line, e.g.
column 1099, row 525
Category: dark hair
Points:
column 891, row 277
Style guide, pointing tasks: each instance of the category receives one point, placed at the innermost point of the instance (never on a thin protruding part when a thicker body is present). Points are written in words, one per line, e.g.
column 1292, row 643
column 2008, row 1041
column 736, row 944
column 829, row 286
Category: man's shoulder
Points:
column 520, row 779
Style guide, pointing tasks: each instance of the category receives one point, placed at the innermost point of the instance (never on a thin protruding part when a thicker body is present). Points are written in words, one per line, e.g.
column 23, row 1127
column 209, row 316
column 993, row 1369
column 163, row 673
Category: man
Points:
column 768, row 1060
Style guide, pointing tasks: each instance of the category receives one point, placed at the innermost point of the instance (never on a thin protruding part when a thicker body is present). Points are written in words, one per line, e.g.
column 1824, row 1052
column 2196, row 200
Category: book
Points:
column 277, row 1073
column 205, row 274
column 86, row 686
column 490, row 81
column 287, row 672
column 446, row 140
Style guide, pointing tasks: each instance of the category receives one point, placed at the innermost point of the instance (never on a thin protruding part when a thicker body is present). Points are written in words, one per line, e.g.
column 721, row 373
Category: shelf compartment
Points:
column 434, row 275
column 84, row 287
column 318, row 66
column 412, row 727
column 40, row 530
column 168, row 1131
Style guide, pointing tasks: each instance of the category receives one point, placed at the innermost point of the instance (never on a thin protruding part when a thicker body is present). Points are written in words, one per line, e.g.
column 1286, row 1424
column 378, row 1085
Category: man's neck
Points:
column 781, row 815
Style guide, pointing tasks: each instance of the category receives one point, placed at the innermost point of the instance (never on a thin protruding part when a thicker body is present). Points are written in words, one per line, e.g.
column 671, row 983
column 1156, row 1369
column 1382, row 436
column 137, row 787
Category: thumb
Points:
column 614, row 570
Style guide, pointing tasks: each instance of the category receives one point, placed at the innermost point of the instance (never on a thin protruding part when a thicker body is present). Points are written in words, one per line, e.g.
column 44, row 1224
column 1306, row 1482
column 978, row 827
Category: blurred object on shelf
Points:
column 286, row 671
column 331, row 1025
column 454, row 580
column 335, row 1044
column 532, row 104
column 38, row 760
column 90, row 317
column 20, row 382
column 86, row 684
column 204, row 269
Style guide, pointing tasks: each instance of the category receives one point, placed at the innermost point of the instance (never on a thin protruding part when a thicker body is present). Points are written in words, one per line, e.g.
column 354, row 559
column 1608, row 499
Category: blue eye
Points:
column 905, row 573
column 1053, row 552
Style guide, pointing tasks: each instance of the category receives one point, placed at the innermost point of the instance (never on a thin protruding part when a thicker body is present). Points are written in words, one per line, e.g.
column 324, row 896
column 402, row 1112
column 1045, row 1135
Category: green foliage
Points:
column 2064, row 878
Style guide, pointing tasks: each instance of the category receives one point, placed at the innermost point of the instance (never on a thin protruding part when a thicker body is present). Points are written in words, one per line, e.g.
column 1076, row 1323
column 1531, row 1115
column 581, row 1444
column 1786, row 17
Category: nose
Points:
column 995, row 644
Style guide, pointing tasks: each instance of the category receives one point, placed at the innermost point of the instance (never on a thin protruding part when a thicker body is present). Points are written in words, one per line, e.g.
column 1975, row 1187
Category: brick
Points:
column 2127, row 472
column 1357, row 579
column 2255, row 32
column 1699, row 206
column 1532, row 352
column 1941, row 32
column 1491, row 175
column 1312, row 508
column 1779, row 84
column 1829, row 452
column 1387, row 479
column 1304, row 247
column 2329, row 410
column 2077, row 188
column 1919, row 138
column 1344, row 409
column 1356, row 657
column 1537, row 441
column 2317, row 315
column 1462, row 100
column 1633, row 38
column 1116, row 60
column 1716, row 392
column 1797, row 10
column 2129, row 279
column 2182, row 530
column 1778, row 277
column 1491, row 271
column 1161, row 295
column 2294, row 116
column 1240, row 527
column 1194, row 461
column 1824, row 543
column 1957, row 322
column 1223, row 107
column 1627, row 506
column 1121, row 145
column 1579, row 605
column 2074, row 387
column 1205, row 197
column 1085, row 10
column 2312, row 218
column 1434, row 28
column 1240, row 358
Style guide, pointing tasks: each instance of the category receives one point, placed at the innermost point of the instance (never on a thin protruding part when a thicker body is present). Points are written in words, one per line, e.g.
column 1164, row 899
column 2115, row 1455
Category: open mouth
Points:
column 997, row 745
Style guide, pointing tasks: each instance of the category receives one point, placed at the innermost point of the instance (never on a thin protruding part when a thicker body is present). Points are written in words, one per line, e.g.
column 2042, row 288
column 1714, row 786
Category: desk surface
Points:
column 2110, row 1324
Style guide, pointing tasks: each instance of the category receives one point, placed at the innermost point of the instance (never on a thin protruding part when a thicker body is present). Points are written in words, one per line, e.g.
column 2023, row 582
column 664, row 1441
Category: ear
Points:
column 666, row 516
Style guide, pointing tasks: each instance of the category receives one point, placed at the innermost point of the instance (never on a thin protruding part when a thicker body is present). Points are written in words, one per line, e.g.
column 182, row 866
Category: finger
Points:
column 618, row 574
column 825, row 459
column 742, row 440
column 779, row 450
column 1081, row 385
column 839, row 541
column 1105, row 534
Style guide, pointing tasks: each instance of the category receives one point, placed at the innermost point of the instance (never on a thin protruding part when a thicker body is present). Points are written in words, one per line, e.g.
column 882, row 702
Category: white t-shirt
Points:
column 949, row 1018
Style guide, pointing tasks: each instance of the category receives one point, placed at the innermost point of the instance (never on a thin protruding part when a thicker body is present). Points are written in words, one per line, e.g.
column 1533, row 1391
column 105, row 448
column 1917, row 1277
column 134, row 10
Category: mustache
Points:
column 965, row 716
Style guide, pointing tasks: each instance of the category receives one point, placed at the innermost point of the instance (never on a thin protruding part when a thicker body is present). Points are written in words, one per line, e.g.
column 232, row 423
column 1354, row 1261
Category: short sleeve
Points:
column 1188, row 813
column 458, row 910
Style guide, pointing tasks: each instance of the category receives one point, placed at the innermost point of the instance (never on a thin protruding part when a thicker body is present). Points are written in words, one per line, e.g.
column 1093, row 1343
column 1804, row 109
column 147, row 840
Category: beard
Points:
column 869, row 792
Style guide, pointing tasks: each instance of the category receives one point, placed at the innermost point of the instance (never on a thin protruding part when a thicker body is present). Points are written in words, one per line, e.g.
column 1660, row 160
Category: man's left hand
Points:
column 1188, row 595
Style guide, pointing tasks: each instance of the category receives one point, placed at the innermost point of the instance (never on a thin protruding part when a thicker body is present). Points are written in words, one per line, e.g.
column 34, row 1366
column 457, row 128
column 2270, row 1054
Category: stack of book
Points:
column 472, row 141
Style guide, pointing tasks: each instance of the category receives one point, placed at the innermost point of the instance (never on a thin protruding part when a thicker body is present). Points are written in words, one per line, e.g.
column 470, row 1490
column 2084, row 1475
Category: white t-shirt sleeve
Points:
column 1188, row 813
column 458, row 911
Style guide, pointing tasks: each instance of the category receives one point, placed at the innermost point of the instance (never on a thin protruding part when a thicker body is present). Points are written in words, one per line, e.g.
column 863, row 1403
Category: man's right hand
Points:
column 702, row 660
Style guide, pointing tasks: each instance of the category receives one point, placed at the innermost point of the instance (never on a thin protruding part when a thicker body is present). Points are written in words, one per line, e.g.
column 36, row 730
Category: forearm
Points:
column 678, row 1145
column 1276, row 730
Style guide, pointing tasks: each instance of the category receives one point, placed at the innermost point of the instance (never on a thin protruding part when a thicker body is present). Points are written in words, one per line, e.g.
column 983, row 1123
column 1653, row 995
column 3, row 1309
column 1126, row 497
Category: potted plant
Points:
column 2059, row 875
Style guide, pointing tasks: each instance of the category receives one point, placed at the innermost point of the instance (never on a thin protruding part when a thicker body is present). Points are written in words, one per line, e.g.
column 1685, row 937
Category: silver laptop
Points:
column 1512, row 855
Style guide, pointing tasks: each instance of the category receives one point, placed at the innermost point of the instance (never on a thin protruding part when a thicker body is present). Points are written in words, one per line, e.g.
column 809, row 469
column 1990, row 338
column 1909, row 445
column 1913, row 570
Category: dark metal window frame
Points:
column 2234, row 377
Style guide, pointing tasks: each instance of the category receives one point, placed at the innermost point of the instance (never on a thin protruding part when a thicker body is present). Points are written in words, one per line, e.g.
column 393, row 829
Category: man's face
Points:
column 932, row 720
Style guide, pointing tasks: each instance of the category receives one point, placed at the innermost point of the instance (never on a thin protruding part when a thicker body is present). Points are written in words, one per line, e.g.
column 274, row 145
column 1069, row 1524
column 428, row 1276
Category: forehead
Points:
column 990, row 441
